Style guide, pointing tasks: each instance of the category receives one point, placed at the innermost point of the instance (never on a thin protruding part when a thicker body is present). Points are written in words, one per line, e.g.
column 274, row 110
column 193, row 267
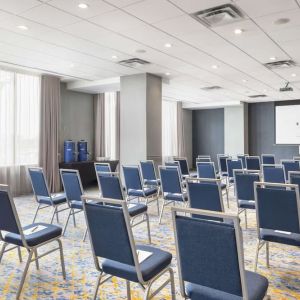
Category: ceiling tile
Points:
column 123, row 3
column 18, row 6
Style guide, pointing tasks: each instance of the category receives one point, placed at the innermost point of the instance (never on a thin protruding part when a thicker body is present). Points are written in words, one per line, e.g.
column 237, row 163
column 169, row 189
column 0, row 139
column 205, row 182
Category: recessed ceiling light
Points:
column 114, row 57
column 238, row 31
column 294, row 75
column 168, row 73
column 244, row 80
column 168, row 45
column 83, row 5
column 273, row 57
column 72, row 65
column 215, row 66
column 140, row 51
column 282, row 21
column 22, row 27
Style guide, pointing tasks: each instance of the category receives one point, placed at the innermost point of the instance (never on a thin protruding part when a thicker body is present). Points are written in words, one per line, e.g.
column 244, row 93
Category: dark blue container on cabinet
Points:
column 69, row 151
column 82, row 150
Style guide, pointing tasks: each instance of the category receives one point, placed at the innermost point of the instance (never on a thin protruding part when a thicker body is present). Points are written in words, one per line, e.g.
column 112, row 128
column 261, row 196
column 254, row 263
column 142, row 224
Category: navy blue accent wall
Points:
column 208, row 133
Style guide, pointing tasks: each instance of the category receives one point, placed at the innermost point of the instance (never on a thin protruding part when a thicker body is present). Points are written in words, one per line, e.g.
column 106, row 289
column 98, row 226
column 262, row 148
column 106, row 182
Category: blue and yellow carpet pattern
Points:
column 47, row 283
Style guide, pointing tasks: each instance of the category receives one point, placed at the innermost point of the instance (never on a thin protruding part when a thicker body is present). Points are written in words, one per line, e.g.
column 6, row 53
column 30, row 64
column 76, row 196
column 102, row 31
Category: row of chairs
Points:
column 202, row 274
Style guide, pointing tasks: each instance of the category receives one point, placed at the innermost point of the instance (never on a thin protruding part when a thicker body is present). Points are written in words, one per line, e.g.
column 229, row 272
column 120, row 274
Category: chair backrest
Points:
column 172, row 164
column 132, row 178
column 216, row 263
column 296, row 158
column 268, row 159
column 290, row 165
column 277, row 206
column 205, row 194
column 204, row 156
column 170, row 179
column 72, row 184
column 253, row 163
column 203, row 159
column 148, row 170
column 273, row 173
column 9, row 220
column 233, row 164
column 294, row 178
column 102, row 167
column 244, row 184
column 38, row 182
column 110, row 186
column 184, row 167
column 206, row 170
column 222, row 158
column 242, row 157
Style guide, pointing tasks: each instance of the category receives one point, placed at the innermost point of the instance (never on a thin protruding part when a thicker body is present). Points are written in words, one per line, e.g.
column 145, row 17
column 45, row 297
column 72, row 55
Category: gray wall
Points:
column 77, row 118
column 208, row 132
column 188, row 135
column 262, row 132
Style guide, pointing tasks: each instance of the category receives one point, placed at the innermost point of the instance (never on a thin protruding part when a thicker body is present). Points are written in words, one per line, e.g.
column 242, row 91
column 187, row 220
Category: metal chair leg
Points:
column 36, row 259
column 2, row 250
column 256, row 254
column 157, row 203
column 85, row 234
column 173, row 293
column 267, row 255
column 128, row 290
column 20, row 254
column 246, row 222
column 36, row 212
column 65, row 227
column 97, row 286
column 74, row 220
column 62, row 261
column 227, row 197
column 148, row 228
column 161, row 212
column 24, row 274
column 57, row 216
column 55, row 209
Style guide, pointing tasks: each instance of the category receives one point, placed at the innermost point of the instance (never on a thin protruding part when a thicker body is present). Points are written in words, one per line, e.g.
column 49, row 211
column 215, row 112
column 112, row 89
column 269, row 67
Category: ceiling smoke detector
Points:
column 133, row 62
column 219, row 15
column 280, row 64
column 211, row 88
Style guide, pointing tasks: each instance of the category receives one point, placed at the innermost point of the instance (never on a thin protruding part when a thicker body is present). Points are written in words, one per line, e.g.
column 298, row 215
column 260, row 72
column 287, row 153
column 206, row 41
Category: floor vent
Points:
column 133, row 62
column 219, row 15
column 281, row 64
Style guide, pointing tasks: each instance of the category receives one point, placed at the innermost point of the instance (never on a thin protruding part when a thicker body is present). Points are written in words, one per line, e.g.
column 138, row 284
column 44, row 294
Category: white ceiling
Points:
column 78, row 44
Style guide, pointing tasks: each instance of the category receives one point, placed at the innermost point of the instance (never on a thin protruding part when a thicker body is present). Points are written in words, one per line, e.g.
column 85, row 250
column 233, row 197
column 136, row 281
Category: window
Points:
column 169, row 130
column 19, row 119
column 111, row 125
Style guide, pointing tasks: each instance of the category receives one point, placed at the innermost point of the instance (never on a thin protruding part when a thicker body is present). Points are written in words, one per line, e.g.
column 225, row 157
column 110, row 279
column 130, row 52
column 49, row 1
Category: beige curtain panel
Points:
column 180, row 131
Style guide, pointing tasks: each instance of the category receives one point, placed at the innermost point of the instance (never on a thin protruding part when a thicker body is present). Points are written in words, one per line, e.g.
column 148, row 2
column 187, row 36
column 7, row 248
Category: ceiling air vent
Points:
column 219, row 15
column 211, row 88
column 281, row 64
column 133, row 62
column 257, row 96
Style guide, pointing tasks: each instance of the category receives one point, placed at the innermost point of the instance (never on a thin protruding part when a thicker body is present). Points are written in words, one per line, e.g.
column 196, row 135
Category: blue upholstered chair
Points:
column 201, row 158
column 207, row 170
column 244, row 190
column 171, row 186
column 42, row 195
column 273, row 173
column 110, row 187
column 233, row 164
column 205, row 273
column 73, row 188
column 184, row 167
column 294, row 178
column 112, row 240
column 290, row 165
column 278, row 215
column 268, row 159
column 242, row 157
column 134, row 186
column 222, row 158
column 253, row 163
column 102, row 167
column 149, row 173
column 30, row 237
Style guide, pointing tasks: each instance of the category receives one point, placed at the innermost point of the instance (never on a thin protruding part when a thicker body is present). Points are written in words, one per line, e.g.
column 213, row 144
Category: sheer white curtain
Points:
column 111, row 125
column 169, row 130
column 19, row 128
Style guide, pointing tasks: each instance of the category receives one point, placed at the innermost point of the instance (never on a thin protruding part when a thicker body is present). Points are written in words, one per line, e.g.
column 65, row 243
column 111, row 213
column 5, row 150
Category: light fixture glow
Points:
column 238, row 31
column 273, row 58
column 22, row 27
column 244, row 80
column 83, row 5
column 114, row 57
column 72, row 65
column 168, row 45
column 294, row 75
column 215, row 66
column 168, row 73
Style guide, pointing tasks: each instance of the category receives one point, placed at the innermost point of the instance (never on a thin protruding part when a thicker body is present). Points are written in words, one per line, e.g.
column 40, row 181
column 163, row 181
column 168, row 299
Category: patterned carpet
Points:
column 47, row 283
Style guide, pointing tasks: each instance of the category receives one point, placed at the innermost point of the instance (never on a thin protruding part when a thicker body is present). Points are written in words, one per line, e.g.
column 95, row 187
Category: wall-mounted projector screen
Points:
column 287, row 119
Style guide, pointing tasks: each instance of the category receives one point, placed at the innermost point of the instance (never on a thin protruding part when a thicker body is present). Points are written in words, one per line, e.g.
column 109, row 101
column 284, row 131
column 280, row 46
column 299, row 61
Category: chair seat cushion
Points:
column 176, row 196
column 76, row 204
column 56, row 199
column 137, row 209
column 150, row 267
column 155, row 182
column 271, row 235
column 246, row 204
column 35, row 238
column 142, row 193
column 257, row 288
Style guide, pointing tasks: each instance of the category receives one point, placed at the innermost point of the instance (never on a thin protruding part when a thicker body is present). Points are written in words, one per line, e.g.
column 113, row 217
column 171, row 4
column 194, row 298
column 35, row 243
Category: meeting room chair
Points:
column 184, row 167
column 223, row 165
column 213, row 268
column 73, row 189
column 244, row 190
column 149, row 174
column 290, row 165
column 278, row 215
column 110, row 231
column 135, row 188
column 203, row 158
column 207, row 170
column 172, row 190
column 242, row 157
column 294, row 178
column 102, row 167
column 273, row 173
column 233, row 164
column 175, row 164
column 31, row 237
column 253, row 163
column 42, row 195
column 111, row 189
column 268, row 159
column 296, row 158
